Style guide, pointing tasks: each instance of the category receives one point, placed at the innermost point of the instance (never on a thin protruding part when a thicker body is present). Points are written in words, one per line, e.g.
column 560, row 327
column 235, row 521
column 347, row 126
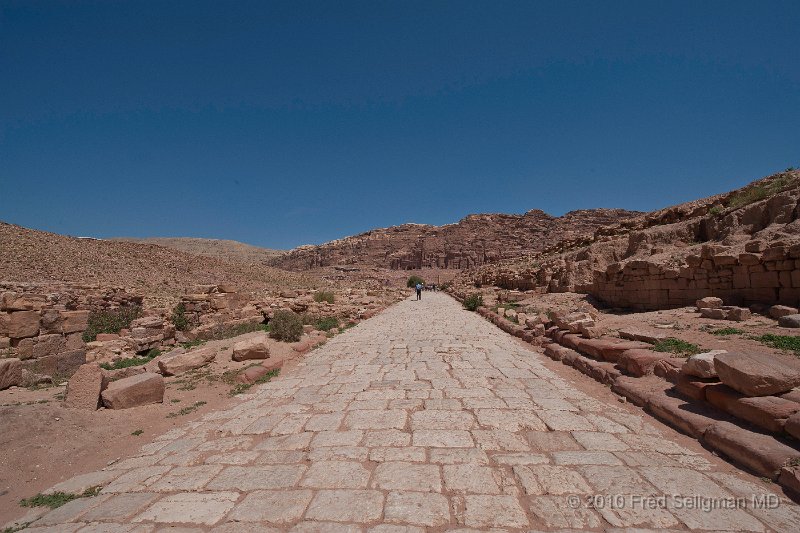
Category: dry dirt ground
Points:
column 427, row 417
column 44, row 443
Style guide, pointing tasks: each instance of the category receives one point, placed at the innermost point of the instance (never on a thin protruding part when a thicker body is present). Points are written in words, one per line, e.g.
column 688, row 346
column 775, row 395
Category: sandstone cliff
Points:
column 473, row 241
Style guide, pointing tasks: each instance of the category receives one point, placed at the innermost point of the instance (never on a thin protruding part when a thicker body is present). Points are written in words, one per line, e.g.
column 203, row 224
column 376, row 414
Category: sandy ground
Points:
column 44, row 443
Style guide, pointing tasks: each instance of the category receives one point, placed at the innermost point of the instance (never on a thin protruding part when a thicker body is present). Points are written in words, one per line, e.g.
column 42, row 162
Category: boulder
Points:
column 171, row 365
column 74, row 321
column 253, row 348
column 767, row 412
column 757, row 374
column 737, row 314
column 789, row 321
column 714, row 313
column 761, row 453
column 10, row 373
column 792, row 426
column 638, row 362
column 252, row 374
column 141, row 389
column 709, row 302
column 701, row 365
column 84, row 387
column 21, row 324
column 777, row 311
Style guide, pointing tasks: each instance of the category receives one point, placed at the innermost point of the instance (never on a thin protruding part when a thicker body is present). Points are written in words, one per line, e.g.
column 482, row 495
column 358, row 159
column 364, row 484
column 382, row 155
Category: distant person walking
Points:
column 419, row 291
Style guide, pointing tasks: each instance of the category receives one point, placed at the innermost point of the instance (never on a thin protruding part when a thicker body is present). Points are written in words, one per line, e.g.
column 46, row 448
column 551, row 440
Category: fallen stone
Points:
column 757, row 374
column 789, row 321
column 605, row 348
column 701, row 365
column 273, row 363
column 713, row 313
column 633, row 389
column 641, row 336
column 767, row 412
column 693, row 387
column 669, row 368
column 252, row 374
column 31, row 379
column 21, row 324
column 84, row 387
column 74, row 321
column 709, row 302
column 639, row 362
column 777, row 311
column 141, row 389
column 761, row 453
column 792, row 426
column 790, row 478
column 253, row 348
column 737, row 314
column 10, row 372
column 172, row 365
column 691, row 419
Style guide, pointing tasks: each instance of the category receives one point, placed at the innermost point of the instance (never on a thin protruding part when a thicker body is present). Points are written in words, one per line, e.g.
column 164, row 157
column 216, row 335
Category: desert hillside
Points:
column 473, row 241
column 37, row 256
column 219, row 248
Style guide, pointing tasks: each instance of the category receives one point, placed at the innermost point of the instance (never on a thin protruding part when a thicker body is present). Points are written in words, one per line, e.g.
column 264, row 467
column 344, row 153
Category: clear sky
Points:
column 285, row 123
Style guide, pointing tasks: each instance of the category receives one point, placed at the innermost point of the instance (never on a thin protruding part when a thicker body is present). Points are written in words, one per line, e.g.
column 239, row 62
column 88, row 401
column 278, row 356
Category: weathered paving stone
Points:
column 407, row 476
column 203, row 508
column 559, row 512
column 346, row 505
column 272, row 506
column 336, row 475
column 548, row 479
column 417, row 508
column 491, row 511
column 120, row 506
column 469, row 478
column 437, row 438
column 257, row 477
column 376, row 419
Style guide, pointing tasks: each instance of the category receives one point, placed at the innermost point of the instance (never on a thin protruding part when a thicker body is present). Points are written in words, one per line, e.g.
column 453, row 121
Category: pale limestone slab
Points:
column 257, row 477
column 336, row 475
column 407, row 476
column 272, row 506
column 202, row 508
column 346, row 506
column 416, row 508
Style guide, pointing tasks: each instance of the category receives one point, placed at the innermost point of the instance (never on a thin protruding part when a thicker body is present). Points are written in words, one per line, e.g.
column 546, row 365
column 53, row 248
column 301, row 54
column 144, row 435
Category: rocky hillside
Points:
column 41, row 257
column 473, row 241
column 221, row 249
column 741, row 246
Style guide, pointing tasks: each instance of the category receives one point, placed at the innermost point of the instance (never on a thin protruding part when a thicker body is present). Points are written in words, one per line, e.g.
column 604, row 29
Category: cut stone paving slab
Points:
column 204, row 508
column 273, row 506
column 346, row 505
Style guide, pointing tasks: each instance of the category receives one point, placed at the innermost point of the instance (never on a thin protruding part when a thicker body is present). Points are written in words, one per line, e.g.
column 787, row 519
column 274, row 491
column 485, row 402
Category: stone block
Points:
column 253, row 348
column 709, row 302
column 21, row 324
column 74, row 321
column 693, row 387
column 141, row 389
column 177, row 363
column 767, row 412
column 639, row 362
column 84, row 387
column 758, row 452
column 757, row 374
column 10, row 372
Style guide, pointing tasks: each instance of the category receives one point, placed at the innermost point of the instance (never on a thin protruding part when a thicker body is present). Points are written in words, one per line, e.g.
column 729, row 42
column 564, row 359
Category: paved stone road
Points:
column 424, row 418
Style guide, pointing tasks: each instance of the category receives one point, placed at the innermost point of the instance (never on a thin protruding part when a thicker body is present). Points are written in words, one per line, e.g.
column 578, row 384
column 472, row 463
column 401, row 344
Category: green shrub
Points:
column 324, row 296
column 754, row 193
column 179, row 319
column 327, row 323
column 286, row 326
column 57, row 499
column 132, row 361
column 716, row 210
column 727, row 331
column 473, row 302
column 676, row 346
column 781, row 342
column 414, row 280
column 111, row 321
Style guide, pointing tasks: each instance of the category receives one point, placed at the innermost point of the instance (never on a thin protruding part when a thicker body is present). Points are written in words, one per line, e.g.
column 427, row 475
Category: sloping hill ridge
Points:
column 220, row 248
column 32, row 256
column 471, row 242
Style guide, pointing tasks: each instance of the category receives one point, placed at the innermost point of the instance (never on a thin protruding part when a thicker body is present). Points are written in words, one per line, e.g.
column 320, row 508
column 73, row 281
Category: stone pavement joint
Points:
column 423, row 418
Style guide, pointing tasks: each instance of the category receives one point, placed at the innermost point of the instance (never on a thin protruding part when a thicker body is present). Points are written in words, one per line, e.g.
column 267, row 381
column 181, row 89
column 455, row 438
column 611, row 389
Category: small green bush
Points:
column 414, row 280
column 716, row 210
column 57, row 499
column 473, row 302
column 727, row 331
column 111, row 321
column 286, row 326
column 781, row 342
column 327, row 323
column 676, row 346
column 324, row 296
column 179, row 319
column 132, row 361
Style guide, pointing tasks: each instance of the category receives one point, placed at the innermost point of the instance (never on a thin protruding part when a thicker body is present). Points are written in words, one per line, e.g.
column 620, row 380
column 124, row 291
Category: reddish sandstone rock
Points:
column 790, row 478
column 691, row 419
column 768, row 412
column 633, row 389
column 639, row 362
column 761, row 453
column 701, row 365
column 792, row 426
column 171, row 365
column 608, row 348
column 10, row 373
column 777, row 311
column 74, row 321
column 253, row 348
column 709, row 302
column 642, row 336
column 252, row 374
column 85, row 386
column 757, row 374
column 273, row 364
column 141, row 389
column 693, row 387
column 668, row 368
column 21, row 324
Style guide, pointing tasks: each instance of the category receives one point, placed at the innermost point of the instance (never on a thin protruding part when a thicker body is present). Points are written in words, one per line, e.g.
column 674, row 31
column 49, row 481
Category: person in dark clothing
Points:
column 419, row 291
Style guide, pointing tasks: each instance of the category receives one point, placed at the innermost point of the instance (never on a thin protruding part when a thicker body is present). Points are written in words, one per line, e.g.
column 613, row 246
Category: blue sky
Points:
column 285, row 123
